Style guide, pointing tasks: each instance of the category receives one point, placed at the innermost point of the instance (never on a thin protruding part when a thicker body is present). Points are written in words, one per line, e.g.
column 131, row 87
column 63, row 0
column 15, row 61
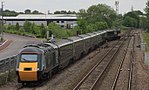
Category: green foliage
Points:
column 57, row 31
column 101, row 25
column 82, row 25
column 17, row 27
column 43, row 31
column 145, row 20
column 144, row 23
column 35, row 30
column 146, row 38
column 147, row 8
column 64, row 12
column 134, row 16
column 31, row 29
column 10, row 27
column 35, row 12
column 9, row 13
column 28, row 29
column 27, row 26
column 53, row 26
column 27, row 11
column 90, row 28
column 101, row 15
column 129, row 22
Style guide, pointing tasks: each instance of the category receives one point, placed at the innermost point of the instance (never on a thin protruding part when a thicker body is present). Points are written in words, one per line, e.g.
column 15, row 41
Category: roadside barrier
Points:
column 7, row 69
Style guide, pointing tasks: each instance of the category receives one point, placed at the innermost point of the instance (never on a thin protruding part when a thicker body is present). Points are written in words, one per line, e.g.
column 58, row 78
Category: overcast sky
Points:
column 73, row 5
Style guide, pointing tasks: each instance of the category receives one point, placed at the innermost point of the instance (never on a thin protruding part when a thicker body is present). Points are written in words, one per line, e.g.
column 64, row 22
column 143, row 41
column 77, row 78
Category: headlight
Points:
column 36, row 69
column 19, row 69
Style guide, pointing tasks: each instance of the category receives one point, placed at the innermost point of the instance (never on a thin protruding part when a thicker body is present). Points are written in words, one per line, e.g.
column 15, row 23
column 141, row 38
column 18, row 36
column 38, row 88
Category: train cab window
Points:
column 29, row 57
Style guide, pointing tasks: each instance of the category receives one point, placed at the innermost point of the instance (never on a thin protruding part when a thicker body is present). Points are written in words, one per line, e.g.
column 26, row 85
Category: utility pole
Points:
column 2, row 23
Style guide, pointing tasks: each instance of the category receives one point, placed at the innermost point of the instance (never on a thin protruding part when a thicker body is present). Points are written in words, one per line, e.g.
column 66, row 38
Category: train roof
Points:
column 84, row 36
column 92, row 34
column 42, row 46
column 101, row 32
column 52, row 45
column 110, row 30
column 63, row 42
column 75, row 38
column 31, row 50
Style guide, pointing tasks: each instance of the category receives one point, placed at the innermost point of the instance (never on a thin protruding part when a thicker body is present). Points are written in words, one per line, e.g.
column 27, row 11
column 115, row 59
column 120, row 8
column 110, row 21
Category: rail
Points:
column 130, row 70
column 119, row 69
column 96, row 66
column 131, row 65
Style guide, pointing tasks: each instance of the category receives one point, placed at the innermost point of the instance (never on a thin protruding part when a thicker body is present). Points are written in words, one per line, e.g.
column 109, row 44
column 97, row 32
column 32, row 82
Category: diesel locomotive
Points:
column 36, row 62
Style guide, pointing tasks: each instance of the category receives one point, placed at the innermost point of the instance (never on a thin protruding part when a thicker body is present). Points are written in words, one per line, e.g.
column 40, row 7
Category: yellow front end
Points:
column 28, row 71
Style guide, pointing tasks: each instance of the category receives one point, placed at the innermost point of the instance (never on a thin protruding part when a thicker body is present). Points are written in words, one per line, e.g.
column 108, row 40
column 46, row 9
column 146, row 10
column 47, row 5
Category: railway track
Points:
column 113, row 50
column 123, row 65
column 32, row 86
column 90, row 80
column 122, row 69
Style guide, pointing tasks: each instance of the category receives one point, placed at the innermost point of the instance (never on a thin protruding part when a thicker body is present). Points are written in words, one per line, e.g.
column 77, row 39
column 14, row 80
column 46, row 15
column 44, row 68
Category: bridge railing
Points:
column 7, row 69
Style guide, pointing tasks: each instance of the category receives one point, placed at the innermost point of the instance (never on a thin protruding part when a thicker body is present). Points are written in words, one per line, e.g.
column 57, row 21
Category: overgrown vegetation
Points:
column 33, row 30
column 145, row 19
column 146, row 39
column 132, row 19
column 96, row 17
column 14, row 13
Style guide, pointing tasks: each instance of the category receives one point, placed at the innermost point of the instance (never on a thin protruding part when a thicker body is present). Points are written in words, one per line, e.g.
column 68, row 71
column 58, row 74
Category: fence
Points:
column 7, row 69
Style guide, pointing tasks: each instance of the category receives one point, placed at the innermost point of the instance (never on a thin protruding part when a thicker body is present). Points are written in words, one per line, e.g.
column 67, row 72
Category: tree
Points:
column 129, row 22
column 143, row 22
column 35, row 30
column 135, row 15
column 27, row 11
column 57, row 31
column 101, row 25
column 9, row 13
column 64, row 12
column 27, row 26
column 82, row 25
column 91, row 28
column 57, row 12
column 97, row 13
column 17, row 27
column 35, row 12
column 147, row 16
column 147, row 8
column 43, row 30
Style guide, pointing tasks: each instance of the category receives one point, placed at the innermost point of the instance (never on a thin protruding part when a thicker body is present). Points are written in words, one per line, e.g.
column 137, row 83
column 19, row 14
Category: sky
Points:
column 72, row 5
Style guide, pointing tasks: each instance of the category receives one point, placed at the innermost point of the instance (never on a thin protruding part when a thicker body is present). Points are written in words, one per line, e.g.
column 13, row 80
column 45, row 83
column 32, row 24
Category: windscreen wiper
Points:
column 25, row 60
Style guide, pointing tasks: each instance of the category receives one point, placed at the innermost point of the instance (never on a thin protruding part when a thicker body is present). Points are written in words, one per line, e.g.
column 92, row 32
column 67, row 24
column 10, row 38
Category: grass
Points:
column 146, row 39
column 7, row 76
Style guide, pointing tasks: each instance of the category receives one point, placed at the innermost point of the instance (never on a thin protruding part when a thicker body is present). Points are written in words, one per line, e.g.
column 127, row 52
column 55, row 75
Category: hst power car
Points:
column 36, row 62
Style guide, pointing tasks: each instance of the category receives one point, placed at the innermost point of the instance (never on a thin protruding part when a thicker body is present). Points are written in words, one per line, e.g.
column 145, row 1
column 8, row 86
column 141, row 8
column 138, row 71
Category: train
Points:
column 39, row 61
